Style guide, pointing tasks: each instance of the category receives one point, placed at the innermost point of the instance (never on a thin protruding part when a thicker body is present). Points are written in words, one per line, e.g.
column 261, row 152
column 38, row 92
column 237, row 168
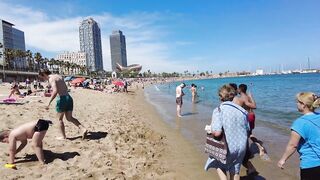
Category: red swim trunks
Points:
column 251, row 119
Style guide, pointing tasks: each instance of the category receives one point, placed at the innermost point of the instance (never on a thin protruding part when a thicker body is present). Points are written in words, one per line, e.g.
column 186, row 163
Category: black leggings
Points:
column 310, row 173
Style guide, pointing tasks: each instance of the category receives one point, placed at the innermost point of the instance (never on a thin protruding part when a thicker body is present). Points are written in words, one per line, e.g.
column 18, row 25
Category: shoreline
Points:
column 191, row 126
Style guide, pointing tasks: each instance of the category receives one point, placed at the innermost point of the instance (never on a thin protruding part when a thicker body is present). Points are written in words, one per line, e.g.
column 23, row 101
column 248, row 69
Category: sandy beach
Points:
column 126, row 140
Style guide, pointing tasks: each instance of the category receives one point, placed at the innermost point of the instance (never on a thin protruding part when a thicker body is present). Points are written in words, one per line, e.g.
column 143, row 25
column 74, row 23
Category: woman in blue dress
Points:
column 305, row 133
column 233, row 119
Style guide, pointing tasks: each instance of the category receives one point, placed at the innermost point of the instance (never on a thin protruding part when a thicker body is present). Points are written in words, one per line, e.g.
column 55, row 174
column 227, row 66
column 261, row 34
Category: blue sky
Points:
column 162, row 35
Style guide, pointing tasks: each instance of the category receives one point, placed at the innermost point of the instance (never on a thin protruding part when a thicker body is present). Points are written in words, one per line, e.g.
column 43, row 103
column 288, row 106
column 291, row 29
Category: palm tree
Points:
column 44, row 63
column 18, row 55
column 51, row 63
column 38, row 58
column 29, row 57
column 83, row 69
column 3, row 62
column 78, row 68
column 1, row 46
column 68, row 65
column 62, row 66
column 8, row 56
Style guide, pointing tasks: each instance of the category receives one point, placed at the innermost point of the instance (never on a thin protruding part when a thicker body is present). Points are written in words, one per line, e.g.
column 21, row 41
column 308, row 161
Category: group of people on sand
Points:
column 233, row 118
column 30, row 90
column 36, row 130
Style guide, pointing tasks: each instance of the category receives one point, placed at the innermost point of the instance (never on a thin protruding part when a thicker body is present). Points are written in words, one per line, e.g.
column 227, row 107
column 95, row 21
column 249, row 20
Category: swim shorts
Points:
column 42, row 125
column 64, row 104
column 179, row 101
column 251, row 119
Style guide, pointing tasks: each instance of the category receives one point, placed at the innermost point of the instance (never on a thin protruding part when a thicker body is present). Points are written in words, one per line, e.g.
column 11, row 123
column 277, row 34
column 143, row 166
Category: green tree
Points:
column 9, row 57
column 30, row 63
column 38, row 59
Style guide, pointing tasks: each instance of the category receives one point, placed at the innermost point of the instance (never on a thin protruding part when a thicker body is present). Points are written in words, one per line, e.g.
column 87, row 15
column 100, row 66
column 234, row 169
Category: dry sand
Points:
column 127, row 140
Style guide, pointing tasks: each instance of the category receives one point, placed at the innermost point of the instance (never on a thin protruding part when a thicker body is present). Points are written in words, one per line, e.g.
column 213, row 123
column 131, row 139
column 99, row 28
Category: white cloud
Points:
column 143, row 35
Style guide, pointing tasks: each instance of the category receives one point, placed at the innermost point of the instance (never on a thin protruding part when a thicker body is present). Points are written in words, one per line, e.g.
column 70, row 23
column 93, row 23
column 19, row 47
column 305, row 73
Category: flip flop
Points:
column 12, row 166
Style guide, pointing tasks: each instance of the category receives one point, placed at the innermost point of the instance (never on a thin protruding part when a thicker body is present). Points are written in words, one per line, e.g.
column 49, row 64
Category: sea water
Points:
column 274, row 96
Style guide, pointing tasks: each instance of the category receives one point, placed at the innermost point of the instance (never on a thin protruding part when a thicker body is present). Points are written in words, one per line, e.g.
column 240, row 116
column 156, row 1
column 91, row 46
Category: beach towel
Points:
column 12, row 101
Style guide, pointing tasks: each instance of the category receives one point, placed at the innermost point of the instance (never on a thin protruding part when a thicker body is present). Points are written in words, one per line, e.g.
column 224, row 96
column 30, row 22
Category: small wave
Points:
column 156, row 87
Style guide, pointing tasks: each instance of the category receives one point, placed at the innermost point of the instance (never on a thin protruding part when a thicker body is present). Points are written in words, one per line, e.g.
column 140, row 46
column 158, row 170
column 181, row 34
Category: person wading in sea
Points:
column 179, row 94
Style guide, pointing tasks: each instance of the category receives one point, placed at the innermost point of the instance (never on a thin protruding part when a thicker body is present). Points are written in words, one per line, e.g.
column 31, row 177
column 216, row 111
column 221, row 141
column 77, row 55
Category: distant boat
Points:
column 309, row 71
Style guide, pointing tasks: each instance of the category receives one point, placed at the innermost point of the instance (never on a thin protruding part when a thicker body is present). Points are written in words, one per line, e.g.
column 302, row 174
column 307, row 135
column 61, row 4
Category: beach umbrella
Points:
column 78, row 80
column 69, row 78
column 118, row 83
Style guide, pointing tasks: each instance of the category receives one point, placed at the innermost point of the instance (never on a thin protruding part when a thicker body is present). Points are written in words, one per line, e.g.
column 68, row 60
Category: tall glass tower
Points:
column 90, row 43
column 12, row 38
column 118, row 49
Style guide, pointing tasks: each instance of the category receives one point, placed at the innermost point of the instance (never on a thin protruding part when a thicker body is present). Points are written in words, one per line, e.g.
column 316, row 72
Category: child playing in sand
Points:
column 35, row 130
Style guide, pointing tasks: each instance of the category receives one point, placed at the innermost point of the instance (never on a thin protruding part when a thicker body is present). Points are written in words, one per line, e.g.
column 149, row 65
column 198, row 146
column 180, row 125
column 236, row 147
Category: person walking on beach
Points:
column 246, row 162
column 193, row 92
column 230, row 118
column 304, row 138
column 64, row 105
column 35, row 130
column 179, row 94
column 247, row 101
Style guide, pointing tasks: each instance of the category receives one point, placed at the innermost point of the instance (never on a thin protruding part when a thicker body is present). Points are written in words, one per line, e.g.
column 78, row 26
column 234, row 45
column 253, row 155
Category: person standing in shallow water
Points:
column 64, row 106
column 305, row 133
column 179, row 94
column 193, row 92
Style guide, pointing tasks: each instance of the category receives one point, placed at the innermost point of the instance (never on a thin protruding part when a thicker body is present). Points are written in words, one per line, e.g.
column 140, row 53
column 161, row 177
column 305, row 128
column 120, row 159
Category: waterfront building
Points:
column 79, row 58
column 118, row 50
column 90, row 43
column 12, row 38
column 259, row 72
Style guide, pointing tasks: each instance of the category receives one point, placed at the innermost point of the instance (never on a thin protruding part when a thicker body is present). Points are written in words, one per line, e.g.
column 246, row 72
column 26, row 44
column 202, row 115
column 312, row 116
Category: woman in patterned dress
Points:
column 233, row 119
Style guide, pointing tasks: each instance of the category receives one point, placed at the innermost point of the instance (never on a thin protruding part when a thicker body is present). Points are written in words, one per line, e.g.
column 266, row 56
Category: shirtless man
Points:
column 193, row 92
column 179, row 94
column 35, row 130
column 249, row 104
column 64, row 105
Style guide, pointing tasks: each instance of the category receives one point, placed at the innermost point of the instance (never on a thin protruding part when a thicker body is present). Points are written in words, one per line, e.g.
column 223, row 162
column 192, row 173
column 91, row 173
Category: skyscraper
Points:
column 90, row 43
column 12, row 38
column 118, row 49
